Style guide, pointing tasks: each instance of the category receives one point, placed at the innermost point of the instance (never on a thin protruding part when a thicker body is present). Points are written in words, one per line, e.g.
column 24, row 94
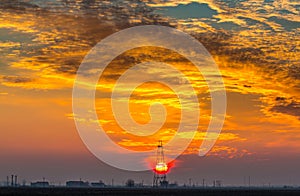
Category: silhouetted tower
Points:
column 161, row 168
column 12, row 180
column 16, row 180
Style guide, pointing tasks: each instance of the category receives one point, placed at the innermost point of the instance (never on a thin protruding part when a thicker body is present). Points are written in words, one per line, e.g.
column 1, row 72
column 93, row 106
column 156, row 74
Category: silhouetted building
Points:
column 164, row 183
column 77, row 184
column 40, row 184
column 218, row 183
column 97, row 184
column 130, row 183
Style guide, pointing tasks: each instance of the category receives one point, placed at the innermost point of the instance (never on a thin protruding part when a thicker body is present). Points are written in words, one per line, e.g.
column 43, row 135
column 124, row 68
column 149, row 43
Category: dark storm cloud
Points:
column 286, row 24
column 287, row 106
column 15, row 79
column 16, row 4
column 252, row 22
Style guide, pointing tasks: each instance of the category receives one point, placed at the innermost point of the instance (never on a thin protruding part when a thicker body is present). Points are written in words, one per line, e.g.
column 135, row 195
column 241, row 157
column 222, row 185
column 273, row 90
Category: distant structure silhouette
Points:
column 12, row 180
column 161, row 168
column 97, row 184
column 130, row 183
column 40, row 184
column 16, row 180
column 77, row 184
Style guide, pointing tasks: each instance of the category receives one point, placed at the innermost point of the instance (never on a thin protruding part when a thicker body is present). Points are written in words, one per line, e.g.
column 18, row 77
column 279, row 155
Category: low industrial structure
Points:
column 77, row 184
column 39, row 184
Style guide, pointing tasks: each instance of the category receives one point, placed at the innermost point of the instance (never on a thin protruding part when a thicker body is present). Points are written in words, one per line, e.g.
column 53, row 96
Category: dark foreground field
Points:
column 145, row 191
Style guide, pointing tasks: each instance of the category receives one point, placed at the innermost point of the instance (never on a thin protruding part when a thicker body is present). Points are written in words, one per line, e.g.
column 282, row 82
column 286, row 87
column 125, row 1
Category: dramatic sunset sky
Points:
column 255, row 43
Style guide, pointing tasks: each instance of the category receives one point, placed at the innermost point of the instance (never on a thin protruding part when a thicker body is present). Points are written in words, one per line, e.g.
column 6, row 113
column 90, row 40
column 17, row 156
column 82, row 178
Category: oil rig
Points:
column 161, row 168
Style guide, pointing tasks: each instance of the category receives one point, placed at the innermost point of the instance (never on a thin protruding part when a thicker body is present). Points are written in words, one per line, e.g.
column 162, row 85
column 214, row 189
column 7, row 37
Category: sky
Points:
column 254, row 43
